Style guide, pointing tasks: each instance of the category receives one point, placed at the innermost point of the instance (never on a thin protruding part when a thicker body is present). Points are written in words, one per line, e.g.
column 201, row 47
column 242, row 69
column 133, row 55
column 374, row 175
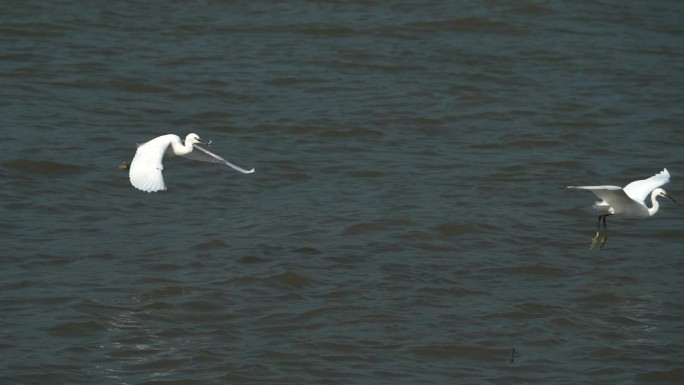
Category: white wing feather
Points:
column 205, row 155
column 146, row 167
column 610, row 195
column 640, row 189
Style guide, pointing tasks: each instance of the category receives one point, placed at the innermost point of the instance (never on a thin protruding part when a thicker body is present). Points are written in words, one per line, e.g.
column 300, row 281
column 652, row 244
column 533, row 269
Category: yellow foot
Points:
column 603, row 242
column 594, row 240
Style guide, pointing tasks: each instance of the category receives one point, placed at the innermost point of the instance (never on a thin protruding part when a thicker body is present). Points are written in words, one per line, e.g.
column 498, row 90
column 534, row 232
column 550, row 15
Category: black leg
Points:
column 605, row 231
column 598, row 232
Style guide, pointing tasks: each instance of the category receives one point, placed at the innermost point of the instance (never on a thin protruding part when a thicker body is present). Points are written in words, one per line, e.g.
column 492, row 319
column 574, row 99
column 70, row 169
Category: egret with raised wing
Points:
column 627, row 201
column 146, row 167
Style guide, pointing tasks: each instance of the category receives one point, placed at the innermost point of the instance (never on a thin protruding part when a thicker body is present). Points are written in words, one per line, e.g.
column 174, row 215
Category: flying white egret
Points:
column 146, row 167
column 628, row 201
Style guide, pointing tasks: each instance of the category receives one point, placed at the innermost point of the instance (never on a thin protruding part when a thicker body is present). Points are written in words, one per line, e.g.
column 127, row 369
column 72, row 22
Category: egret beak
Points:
column 673, row 200
column 203, row 142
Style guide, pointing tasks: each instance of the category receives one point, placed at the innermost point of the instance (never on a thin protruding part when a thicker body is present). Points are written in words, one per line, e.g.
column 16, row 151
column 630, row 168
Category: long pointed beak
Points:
column 673, row 200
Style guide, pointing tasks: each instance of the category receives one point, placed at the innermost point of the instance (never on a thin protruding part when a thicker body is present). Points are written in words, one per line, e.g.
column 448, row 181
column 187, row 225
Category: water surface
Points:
column 407, row 222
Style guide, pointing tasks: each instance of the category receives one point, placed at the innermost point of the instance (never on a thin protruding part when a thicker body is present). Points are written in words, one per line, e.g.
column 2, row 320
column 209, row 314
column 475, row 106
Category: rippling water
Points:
column 407, row 222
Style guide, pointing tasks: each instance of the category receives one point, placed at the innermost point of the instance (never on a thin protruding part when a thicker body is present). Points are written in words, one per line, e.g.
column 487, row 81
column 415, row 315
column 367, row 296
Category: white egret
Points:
column 146, row 167
column 627, row 201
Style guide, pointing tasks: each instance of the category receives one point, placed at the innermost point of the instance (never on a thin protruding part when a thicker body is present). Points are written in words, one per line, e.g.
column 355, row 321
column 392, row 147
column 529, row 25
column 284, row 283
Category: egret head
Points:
column 192, row 139
column 661, row 193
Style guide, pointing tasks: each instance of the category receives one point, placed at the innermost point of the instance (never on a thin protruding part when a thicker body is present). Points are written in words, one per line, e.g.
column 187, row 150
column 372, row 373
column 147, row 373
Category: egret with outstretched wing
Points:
column 627, row 201
column 145, row 171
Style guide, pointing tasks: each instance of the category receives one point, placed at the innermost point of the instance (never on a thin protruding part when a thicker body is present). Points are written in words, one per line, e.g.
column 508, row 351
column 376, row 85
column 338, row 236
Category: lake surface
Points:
column 408, row 220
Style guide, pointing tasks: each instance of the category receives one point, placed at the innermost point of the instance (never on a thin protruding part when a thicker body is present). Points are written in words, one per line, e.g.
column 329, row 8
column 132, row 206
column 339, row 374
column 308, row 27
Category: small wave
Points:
column 445, row 351
column 290, row 278
column 541, row 270
column 674, row 376
column 169, row 291
column 366, row 174
column 326, row 31
column 287, row 81
column 209, row 245
column 44, row 167
column 352, row 133
column 534, row 10
column 201, row 306
column 77, row 329
column 361, row 228
column 455, row 229
column 519, row 144
column 468, row 24
column 251, row 259
column 600, row 299
column 138, row 87
column 308, row 250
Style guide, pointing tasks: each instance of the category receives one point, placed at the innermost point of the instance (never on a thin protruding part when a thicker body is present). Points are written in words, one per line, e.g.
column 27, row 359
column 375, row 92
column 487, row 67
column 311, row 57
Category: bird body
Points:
column 628, row 201
column 145, row 172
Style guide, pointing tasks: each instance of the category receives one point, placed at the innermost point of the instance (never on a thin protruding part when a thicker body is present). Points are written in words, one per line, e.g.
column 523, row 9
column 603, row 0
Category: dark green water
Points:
column 408, row 220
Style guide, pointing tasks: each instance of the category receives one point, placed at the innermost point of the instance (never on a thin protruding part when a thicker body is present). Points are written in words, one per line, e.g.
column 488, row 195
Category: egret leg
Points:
column 605, row 232
column 598, row 232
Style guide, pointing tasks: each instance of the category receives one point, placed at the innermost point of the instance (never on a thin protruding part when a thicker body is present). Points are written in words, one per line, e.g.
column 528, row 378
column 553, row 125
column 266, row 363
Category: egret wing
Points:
column 612, row 195
column 205, row 155
column 639, row 190
column 145, row 171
